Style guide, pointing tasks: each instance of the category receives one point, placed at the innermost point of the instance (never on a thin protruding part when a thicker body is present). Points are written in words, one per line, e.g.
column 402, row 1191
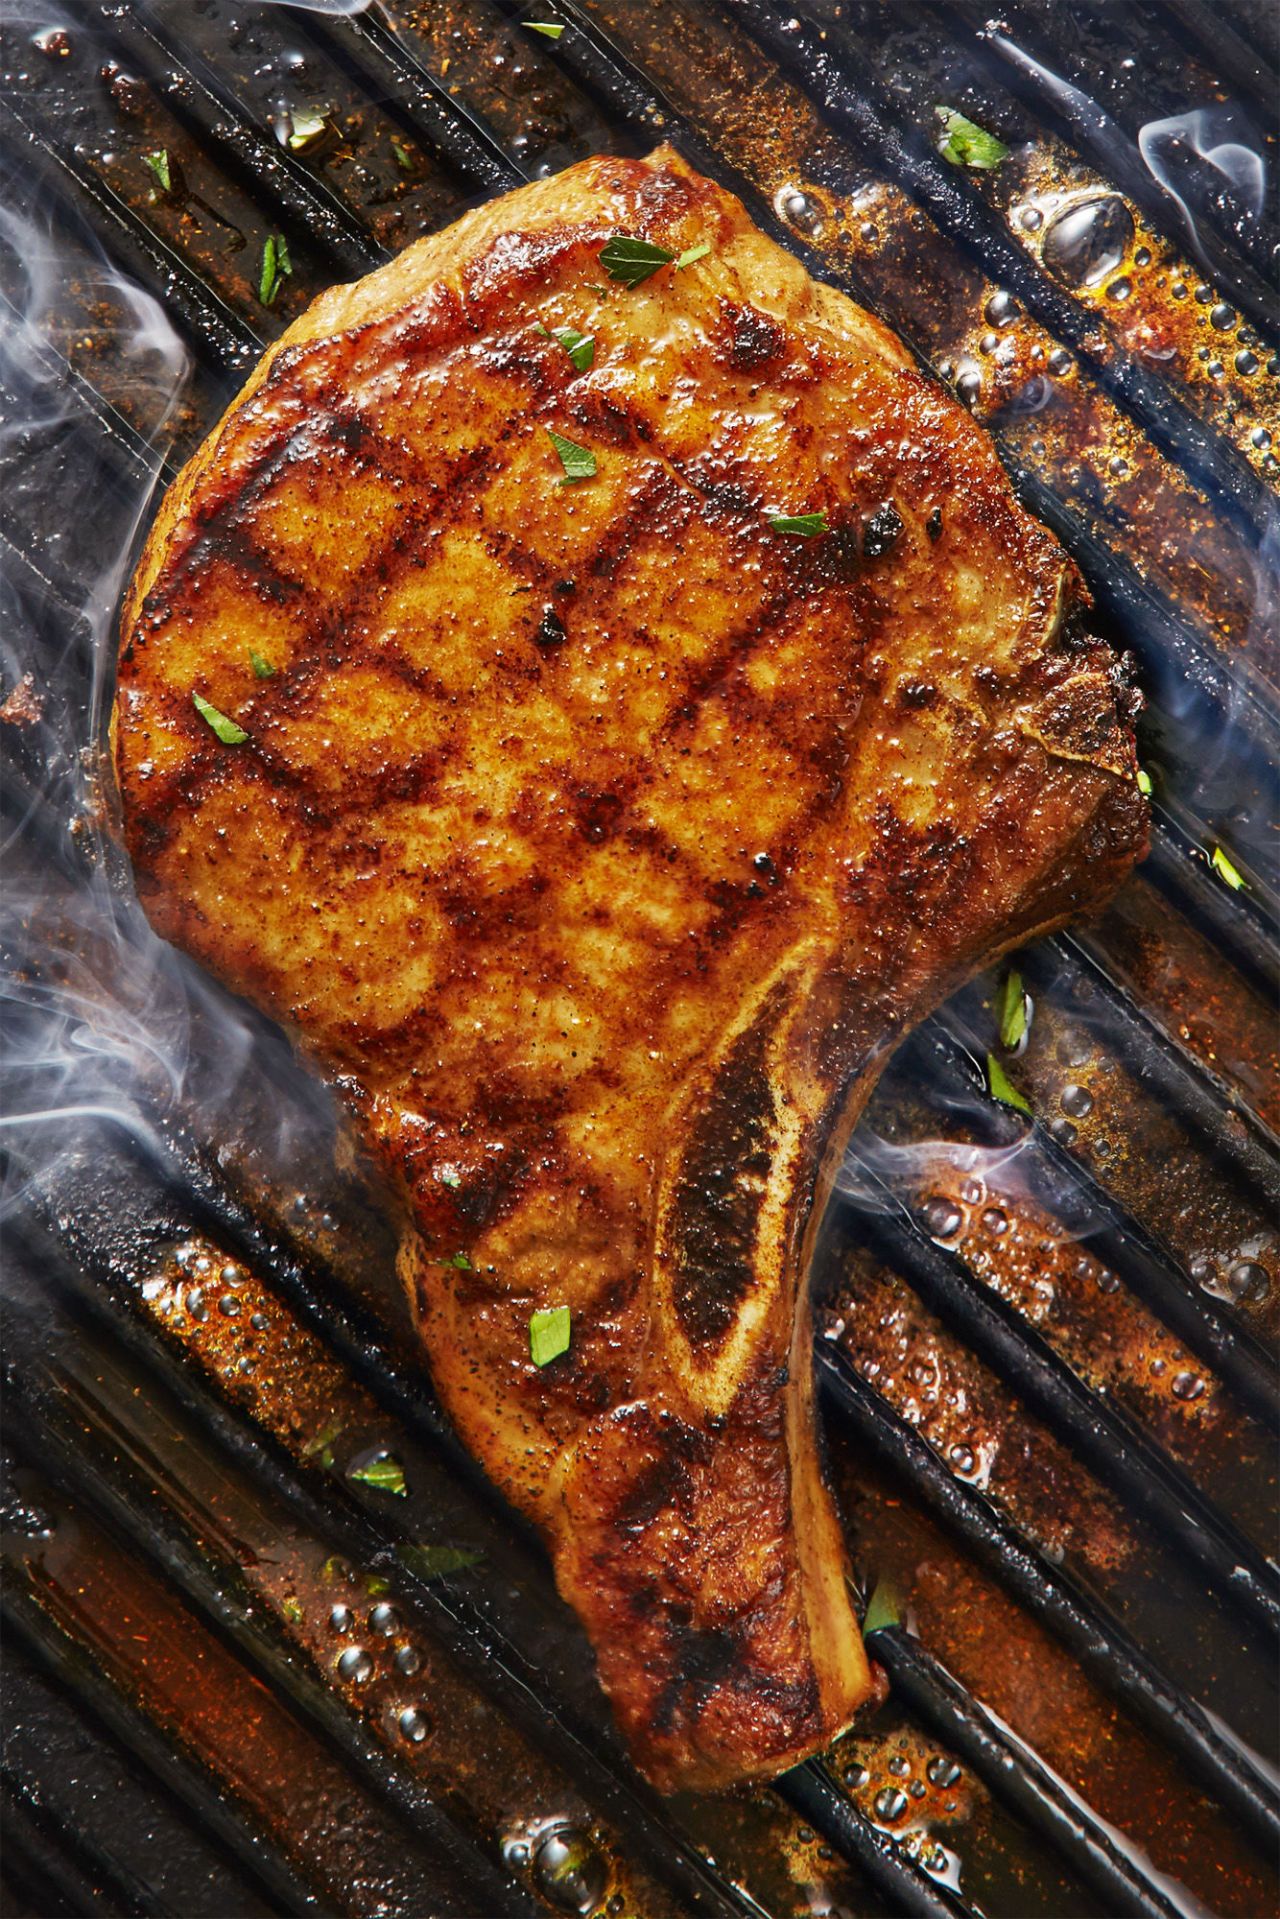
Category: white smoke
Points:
column 103, row 1022
column 1206, row 135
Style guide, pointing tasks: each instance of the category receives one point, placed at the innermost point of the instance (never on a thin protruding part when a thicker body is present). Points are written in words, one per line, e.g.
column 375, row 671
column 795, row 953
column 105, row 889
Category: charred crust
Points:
column 598, row 813
column 747, row 339
column 550, row 632
column 715, row 1206
column 881, row 533
column 837, row 559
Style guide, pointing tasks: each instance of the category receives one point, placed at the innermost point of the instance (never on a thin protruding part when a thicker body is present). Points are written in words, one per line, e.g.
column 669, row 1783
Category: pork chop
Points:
column 600, row 835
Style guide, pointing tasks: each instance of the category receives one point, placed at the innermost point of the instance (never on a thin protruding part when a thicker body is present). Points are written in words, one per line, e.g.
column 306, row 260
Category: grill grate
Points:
column 97, row 1378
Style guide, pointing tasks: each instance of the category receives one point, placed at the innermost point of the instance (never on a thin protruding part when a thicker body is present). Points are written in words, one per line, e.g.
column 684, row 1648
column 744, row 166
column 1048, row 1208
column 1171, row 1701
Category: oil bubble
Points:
column 355, row 1664
column 1001, row 309
column 1088, row 241
column 890, row 1803
column 1248, row 1282
column 942, row 1217
column 569, row 1869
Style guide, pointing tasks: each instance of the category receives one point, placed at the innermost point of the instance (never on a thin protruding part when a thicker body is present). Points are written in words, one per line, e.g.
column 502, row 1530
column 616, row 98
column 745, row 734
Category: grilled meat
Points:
column 600, row 838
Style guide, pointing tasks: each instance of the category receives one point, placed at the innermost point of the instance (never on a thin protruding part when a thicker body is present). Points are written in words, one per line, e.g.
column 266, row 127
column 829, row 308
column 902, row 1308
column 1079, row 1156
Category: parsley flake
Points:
column 404, row 159
column 262, row 668
column 579, row 462
column 1228, row 871
column 966, row 144
column 548, row 1334
column 691, row 254
column 630, row 260
column 227, row 731
column 322, row 1444
column 292, row 1611
column 1002, row 1087
column 1144, row 783
column 306, row 130
column 276, row 266
column 429, row 1562
column 580, row 347
column 807, row 525
column 459, row 1260
column 884, row 1608
column 449, row 1177
column 1012, row 1008
column 384, row 1474
column 159, row 165
column 550, row 29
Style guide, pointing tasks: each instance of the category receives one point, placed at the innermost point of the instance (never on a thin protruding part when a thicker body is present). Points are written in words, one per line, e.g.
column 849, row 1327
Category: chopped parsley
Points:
column 1012, row 1010
column 966, row 144
column 579, row 462
column 630, row 260
column 548, row 1334
column 159, row 165
column 227, row 731
column 1002, row 1087
column 404, row 159
column 580, row 347
column 262, row 668
column 276, row 266
column 691, row 254
column 292, row 1611
column 883, row 1608
column 806, row 525
column 550, row 29
column 449, row 1177
column 322, row 1443
column 1144, row 783
column 429, row 1562
column 1228, row 871
column 459, row 1260
column 305, row 129
column 384, row 1474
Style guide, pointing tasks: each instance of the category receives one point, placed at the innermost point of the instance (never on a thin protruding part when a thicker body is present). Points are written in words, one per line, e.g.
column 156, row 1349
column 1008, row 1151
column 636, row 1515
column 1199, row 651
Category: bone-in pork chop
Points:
column 600, row 835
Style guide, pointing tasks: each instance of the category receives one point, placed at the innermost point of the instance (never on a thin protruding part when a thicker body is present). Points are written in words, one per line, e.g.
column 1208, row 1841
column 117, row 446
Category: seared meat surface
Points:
column 600, row 838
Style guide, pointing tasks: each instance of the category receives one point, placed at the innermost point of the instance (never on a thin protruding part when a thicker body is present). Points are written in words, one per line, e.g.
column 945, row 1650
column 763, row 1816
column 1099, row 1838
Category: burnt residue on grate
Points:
column 244, row 1559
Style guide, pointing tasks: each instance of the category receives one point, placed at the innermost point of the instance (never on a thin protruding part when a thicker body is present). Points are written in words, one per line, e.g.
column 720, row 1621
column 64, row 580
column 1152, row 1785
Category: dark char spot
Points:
column 880, row 535
column 550, row 632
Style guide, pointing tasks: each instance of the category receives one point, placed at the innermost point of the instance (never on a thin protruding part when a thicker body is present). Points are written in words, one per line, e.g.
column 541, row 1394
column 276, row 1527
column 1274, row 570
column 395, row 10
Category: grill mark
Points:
column 708, row 1660
column 339, row 634
column 716, row 1201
